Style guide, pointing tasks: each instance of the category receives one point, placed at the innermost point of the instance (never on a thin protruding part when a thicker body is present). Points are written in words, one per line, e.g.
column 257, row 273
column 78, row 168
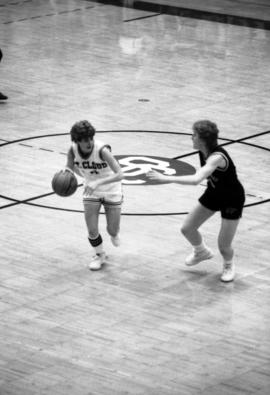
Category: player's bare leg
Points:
column 91, row 213
column 190, row 227
column 113, row 216
column 225, row 238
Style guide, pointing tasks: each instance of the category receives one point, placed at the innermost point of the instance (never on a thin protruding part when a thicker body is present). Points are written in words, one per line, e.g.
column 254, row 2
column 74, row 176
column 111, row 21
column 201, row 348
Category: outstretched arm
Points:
column 194, row 179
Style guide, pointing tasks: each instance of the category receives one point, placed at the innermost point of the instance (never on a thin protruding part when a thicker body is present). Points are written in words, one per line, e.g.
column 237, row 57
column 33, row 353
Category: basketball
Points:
column 64, row 183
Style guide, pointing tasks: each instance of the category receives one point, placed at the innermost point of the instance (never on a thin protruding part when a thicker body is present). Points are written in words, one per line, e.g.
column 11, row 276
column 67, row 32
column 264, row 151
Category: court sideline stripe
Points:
column 46, row 15
column 26, row 201
column 229, row 142
column 138, row 131
column 200, row 14
column 142, row 17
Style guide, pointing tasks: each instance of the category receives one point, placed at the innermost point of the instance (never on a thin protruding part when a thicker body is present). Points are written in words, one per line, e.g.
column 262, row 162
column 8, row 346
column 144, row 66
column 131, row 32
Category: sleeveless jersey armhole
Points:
column 225, row 167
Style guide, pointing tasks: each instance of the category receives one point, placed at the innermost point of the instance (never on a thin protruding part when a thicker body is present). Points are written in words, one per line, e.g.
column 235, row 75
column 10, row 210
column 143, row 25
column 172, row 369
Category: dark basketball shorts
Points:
column 229, row 203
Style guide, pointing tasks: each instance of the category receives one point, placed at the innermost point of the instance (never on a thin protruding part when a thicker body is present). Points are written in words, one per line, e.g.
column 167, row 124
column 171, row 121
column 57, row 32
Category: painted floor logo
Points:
column 135, row 168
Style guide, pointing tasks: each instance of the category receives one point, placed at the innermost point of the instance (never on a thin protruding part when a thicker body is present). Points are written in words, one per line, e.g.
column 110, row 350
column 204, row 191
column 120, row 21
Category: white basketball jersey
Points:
column 95, row 167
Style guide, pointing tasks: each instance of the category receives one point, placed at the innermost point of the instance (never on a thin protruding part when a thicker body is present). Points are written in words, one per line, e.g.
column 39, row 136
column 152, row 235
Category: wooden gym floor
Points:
column 145, row 324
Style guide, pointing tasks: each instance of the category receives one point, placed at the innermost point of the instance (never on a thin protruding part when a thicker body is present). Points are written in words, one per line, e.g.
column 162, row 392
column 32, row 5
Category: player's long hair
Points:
column 81, row 130
column 208, row 132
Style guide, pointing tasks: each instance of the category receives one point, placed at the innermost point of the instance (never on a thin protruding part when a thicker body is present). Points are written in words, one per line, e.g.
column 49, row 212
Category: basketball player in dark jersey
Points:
column 224, row 193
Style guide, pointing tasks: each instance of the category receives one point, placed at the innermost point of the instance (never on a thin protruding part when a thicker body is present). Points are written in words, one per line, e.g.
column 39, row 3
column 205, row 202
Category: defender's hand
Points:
column 155, row 175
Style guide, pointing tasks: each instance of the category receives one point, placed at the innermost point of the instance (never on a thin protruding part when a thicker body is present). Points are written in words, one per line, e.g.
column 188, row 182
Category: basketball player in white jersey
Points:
column 93, row 160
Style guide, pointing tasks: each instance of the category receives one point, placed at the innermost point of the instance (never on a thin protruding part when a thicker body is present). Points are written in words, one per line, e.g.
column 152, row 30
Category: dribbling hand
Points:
column 89, row 189
column 68, row 169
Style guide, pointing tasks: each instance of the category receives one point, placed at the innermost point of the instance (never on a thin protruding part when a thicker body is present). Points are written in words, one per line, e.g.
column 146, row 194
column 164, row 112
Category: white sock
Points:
column 99, row 249
column 97, row 244
column 200, row 247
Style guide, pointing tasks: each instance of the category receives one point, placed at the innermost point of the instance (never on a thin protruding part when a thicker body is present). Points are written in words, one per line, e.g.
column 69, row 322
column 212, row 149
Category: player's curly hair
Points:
column 81, row 130
column 207, row 131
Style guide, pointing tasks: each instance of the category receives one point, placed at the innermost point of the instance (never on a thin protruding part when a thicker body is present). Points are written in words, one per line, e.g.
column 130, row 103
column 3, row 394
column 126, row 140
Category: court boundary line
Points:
column 45, row 15
column 142, row 17
column 199, row 14
column 230, row 141
column 27, row 201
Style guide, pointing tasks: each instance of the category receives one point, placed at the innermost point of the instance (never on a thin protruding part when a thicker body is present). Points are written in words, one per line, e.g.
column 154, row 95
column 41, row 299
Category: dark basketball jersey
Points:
column 222, row 178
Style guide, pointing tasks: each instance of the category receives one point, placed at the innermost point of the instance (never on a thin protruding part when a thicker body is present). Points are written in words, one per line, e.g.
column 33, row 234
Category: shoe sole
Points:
column 226, row 281
column 96, row 269
column 201, row 260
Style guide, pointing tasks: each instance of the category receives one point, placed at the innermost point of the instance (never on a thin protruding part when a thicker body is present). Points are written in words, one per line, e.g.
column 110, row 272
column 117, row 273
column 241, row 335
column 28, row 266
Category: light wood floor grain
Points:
column 145, row 324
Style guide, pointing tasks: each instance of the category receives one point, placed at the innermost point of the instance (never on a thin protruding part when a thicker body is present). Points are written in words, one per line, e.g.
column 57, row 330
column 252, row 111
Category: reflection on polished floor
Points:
column 142, row 72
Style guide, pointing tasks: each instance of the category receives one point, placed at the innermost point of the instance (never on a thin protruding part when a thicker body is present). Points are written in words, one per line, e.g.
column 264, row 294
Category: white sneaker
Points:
column 97, row 261
column 196, row 257
column 228, row 272
column 116, row 241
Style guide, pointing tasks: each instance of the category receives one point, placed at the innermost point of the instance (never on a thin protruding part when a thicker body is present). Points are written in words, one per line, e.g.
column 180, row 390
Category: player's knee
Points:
column 225, row 249
column 112, row 231
column 93, row 233
column 185, row 229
